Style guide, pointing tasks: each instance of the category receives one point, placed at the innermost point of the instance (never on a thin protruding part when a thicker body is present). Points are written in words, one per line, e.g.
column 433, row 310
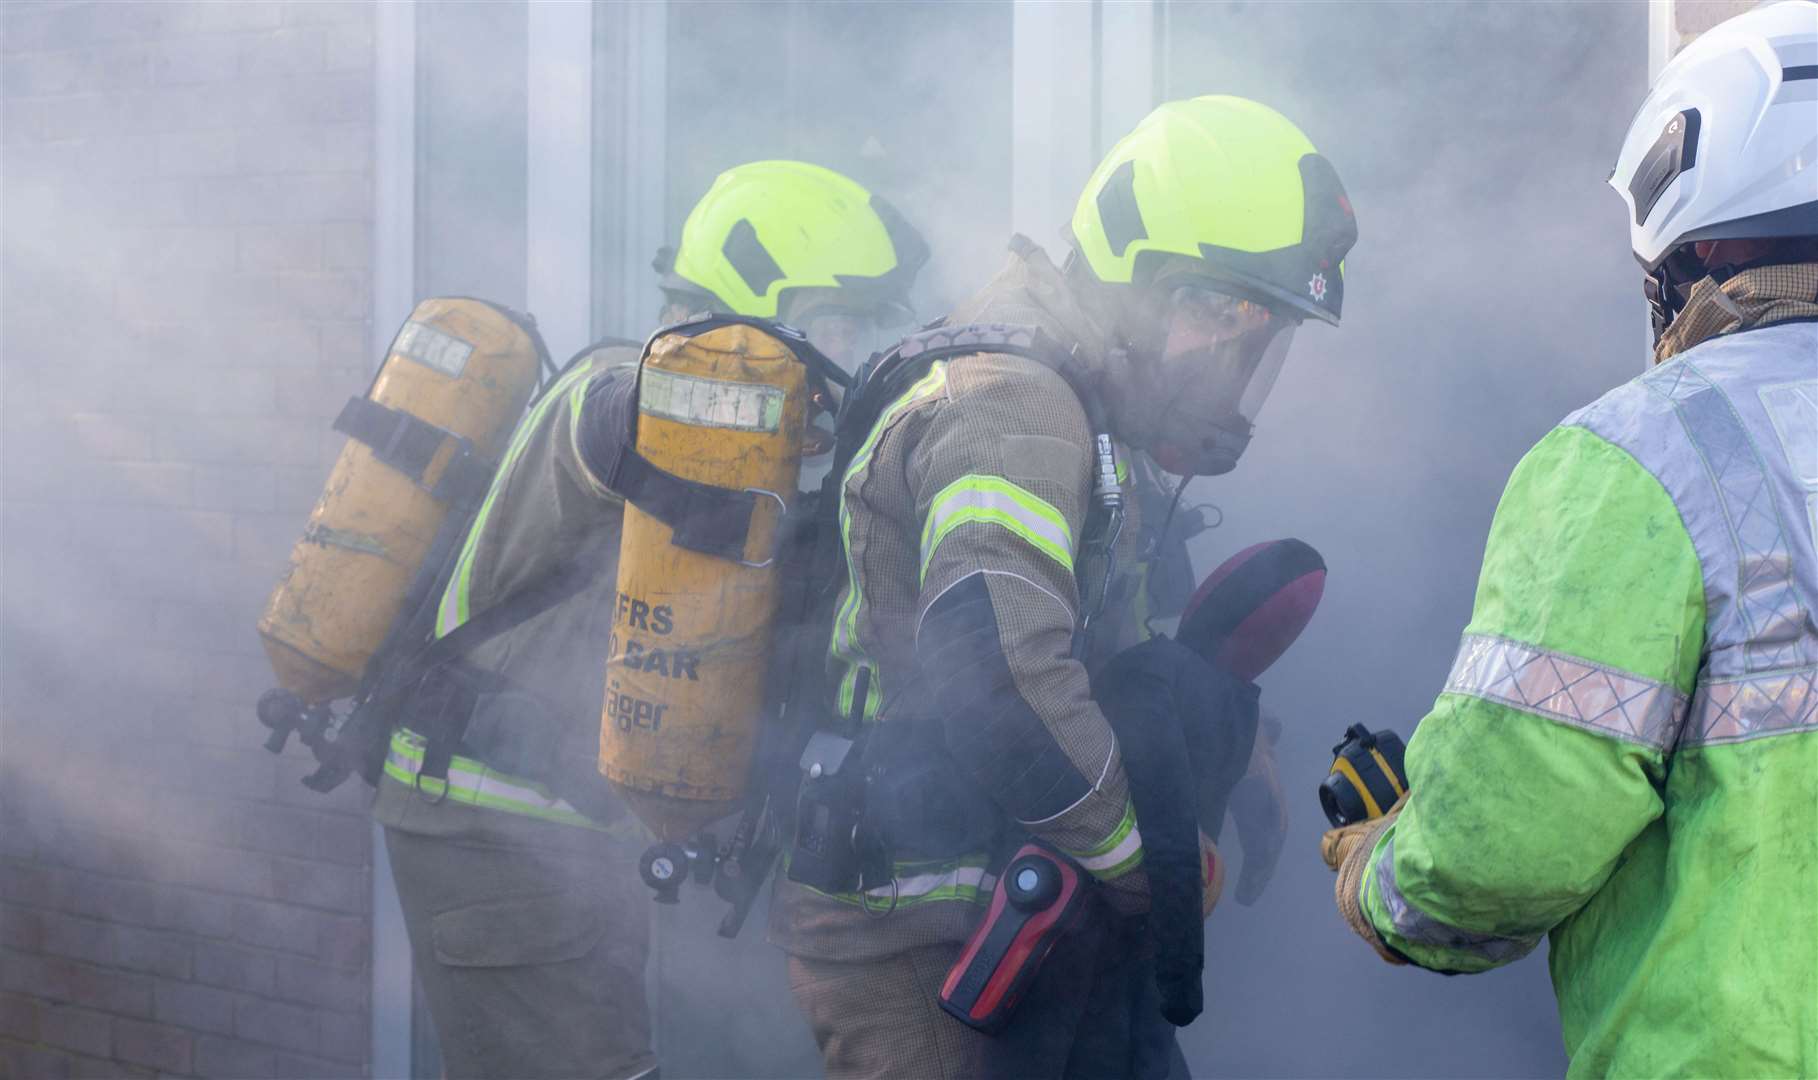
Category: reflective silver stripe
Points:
column 474, row 784
column 965, row 880
column 1568, row 689
column 1765, row 601
column 1111, row 863
column 1792, row 409
column 956, row 880
column 433, row 348
column 1753, row 707
column 704, row 402
column 1414, row 925
column 997, row 500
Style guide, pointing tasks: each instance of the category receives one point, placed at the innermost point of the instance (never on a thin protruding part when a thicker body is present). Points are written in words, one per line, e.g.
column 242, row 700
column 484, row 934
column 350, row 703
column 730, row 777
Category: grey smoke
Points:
column 1490, row 294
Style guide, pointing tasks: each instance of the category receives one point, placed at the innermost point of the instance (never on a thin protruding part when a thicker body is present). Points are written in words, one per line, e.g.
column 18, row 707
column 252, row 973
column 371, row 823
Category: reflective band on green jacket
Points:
column 474, row 784
column 1625, row 755
column 1568, row 689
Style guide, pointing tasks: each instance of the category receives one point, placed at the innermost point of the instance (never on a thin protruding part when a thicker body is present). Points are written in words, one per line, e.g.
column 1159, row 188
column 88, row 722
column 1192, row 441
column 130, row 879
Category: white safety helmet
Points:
column 1726, row 144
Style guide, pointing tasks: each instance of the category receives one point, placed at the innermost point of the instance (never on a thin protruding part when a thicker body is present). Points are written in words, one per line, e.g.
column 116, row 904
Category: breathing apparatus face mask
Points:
column 848, row 338
column 1218, row 360
column 679, row 306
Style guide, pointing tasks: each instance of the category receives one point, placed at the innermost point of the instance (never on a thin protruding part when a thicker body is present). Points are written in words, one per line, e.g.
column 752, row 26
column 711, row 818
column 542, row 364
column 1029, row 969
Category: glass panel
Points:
column 911, row 100
column 470, row 150
column 469, row 222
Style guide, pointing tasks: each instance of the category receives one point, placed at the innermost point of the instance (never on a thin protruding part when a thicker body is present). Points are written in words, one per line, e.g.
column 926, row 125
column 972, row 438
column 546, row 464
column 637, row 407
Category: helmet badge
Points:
column 1316, row 287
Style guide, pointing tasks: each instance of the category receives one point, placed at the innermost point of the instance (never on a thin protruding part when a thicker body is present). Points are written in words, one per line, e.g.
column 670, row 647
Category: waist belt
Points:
column 471, row 783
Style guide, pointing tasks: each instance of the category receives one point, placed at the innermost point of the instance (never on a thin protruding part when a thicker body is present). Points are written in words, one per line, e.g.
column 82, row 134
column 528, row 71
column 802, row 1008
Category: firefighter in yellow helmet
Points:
column 515, row 865
column 989, row 548
column 801, row 244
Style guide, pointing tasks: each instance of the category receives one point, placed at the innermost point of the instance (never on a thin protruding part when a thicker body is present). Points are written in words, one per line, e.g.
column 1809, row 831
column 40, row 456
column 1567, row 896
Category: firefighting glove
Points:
column 1260, row 811
column 1347, row 849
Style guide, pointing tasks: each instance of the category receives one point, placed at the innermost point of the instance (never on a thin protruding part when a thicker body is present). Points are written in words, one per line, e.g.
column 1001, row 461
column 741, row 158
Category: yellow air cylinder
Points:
column 462, row 365
column 691, row 635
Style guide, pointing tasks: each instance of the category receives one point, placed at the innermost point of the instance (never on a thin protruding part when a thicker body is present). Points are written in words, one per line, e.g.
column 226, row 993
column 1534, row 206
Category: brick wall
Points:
column 187, row 195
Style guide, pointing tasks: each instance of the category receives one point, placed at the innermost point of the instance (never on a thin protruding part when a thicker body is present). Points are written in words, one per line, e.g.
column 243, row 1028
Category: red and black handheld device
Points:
column 1039, row 897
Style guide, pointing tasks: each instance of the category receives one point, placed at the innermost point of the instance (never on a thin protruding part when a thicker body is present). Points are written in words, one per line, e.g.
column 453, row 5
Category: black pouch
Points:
column 919, row 799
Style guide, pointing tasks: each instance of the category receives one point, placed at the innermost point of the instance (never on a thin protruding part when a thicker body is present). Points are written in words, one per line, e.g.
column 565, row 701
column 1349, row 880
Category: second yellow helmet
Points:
column 770, row 230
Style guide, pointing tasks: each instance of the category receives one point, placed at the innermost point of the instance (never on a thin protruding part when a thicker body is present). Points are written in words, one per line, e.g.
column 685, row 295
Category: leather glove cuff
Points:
column 1348, row 850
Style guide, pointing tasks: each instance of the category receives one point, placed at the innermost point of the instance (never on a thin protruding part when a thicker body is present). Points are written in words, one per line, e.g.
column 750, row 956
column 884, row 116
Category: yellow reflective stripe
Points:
column 473, row 784
column 453, row 610
column 915, row 883
column 844, row 646
column 1118, row 853
column 993, row 500
column 577, row 398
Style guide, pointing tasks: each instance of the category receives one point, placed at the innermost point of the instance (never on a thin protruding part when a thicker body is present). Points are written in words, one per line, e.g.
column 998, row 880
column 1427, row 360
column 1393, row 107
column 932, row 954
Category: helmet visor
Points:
column 1227, row 351
column 1220, row 357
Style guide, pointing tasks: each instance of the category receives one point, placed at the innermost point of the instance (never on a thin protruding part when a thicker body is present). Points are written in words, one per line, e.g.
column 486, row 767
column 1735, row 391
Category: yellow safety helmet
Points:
column 771, row 229
column 1231, row 185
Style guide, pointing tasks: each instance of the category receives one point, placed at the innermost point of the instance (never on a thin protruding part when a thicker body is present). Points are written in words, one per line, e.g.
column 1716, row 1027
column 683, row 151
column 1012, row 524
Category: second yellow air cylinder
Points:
column 691, row 634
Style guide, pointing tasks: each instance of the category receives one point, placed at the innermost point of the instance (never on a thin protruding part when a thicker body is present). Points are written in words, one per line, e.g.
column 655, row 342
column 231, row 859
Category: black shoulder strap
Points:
column 555, row 585
column 707, row 518
column 410, row 445
column 888, row 376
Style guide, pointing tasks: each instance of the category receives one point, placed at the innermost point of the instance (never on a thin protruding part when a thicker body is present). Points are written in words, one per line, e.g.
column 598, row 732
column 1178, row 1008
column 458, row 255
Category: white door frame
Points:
column 558, row 200
column 630, row 163
column 1663, row 36
column 1081, row 76
column 394, row 285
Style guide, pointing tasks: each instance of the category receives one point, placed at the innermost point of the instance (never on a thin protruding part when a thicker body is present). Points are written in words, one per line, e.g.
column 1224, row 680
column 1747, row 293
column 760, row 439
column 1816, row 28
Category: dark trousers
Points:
column 1092, row 1014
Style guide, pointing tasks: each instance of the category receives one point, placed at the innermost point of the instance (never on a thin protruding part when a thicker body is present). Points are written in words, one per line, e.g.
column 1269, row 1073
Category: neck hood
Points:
column 1753, row 298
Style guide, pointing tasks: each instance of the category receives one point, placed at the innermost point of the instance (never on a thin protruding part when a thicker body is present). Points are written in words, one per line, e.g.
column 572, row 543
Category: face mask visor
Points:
column 1220, row 356
column 846, row 337
column 1263, row 376
column 1225, row 351
column 680, row 305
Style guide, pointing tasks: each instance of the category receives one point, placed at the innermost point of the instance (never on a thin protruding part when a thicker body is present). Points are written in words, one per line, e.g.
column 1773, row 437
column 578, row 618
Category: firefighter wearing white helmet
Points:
column 515, row 862
column 1640, row 674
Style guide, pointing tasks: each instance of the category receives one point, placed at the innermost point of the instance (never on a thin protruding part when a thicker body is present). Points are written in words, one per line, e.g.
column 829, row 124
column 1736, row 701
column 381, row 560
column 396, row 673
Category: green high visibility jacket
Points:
column 1625, row 755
